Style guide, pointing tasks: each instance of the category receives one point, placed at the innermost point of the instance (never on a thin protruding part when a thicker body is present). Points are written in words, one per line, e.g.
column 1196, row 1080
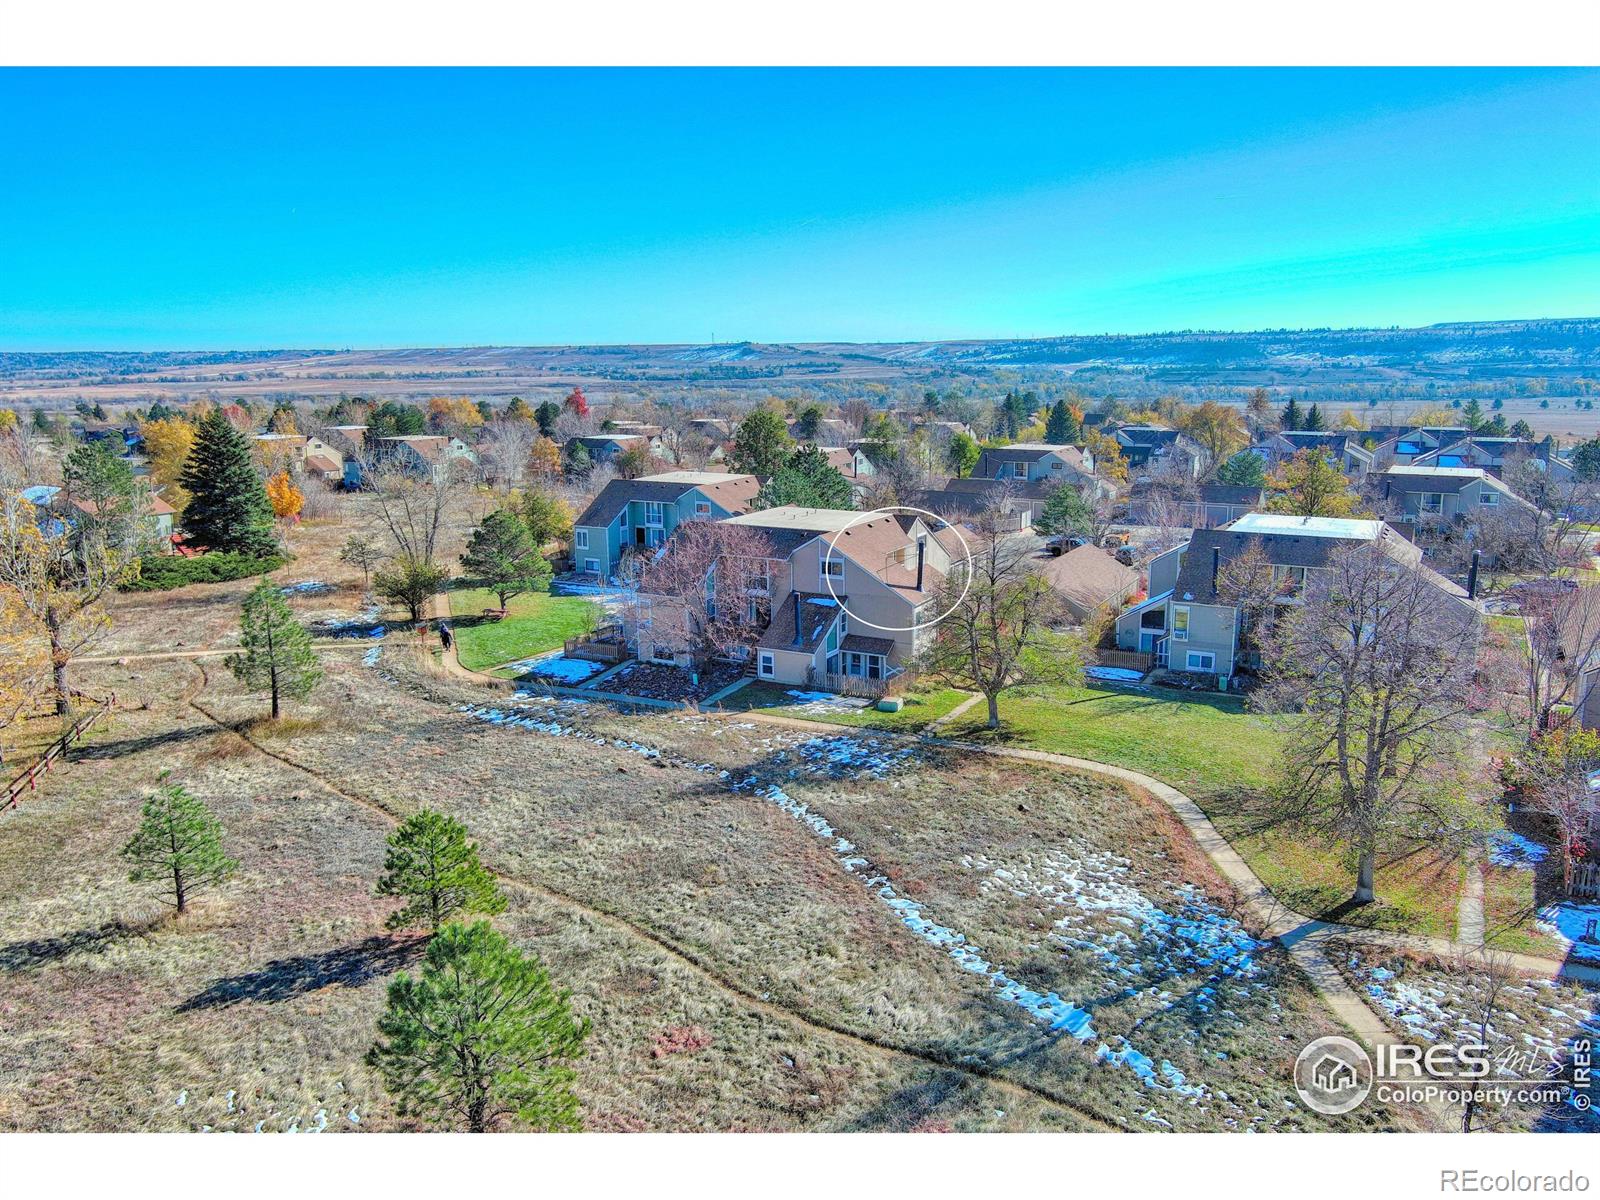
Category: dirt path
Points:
column 362, row 644
column 1469, row 914
column 702, row 968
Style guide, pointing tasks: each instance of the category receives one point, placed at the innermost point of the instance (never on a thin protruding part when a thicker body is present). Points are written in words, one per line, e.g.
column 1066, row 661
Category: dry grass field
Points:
column 769, row 930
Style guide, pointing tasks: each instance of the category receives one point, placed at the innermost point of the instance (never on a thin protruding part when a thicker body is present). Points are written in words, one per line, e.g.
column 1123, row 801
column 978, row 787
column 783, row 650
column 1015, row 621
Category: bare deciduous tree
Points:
column 1374, row 666
column 1001, row 614
column 416, row 507
column 504, row 450
column 704, row 593
column 1563, row 638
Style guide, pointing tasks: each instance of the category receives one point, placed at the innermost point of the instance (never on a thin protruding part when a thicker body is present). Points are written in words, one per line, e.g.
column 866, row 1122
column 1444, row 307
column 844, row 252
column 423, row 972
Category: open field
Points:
column 1222, row 756
column 534, row 623
column 665, row 897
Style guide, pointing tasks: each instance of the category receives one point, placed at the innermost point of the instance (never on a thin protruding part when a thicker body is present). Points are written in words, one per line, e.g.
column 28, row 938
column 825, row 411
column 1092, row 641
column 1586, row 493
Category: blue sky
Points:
column 242, row 209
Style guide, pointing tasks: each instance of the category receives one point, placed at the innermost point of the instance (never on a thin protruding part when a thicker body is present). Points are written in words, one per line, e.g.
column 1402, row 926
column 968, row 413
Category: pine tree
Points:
column 761, row 444
column 1314, row 422
column 277, row 654
column 433, row 865
column 808, row 480
column 481, row 1035
column 1065, row 512
column 962, row 454
column 1244, row 469
column 1472, row 414
column 361, row 551
column 1060, row 429
column 228, row 506
column 179, row 844
column 503, row 558
column 1291, row 415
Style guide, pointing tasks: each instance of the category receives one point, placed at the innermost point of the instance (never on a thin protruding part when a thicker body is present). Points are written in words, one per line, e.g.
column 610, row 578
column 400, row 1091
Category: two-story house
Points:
column 1403, row 445
column 1156, row 502
column 1341, row 447
column 1036, row 462
column 1463, row 493
column 855, row 596
column 631, row 514
column 1186, row 622
column 1151, row 448
column 1493, row 453
column 433, row 456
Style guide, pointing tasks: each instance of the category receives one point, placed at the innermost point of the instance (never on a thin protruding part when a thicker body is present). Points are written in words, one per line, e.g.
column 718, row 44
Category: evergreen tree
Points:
column 1066, row 512
column 1062, row 428
column 546, row 415
column 547, row 516
column 518, row 410
column 390, row 419
column 361, row 551
column 503, row 558
column 1472, row 414
column 409, row 581
column 1291, row 415
column 433, row 865
column 228, row 506
column 1314, row 422
column 1586, row 460
column 1522, row 430
column 1244, row 469
column 760, row 444
column 276, row 649
column 808, row 480
column 481, row 1035
column 179, row 845
column 962, row 454
column 809, row 423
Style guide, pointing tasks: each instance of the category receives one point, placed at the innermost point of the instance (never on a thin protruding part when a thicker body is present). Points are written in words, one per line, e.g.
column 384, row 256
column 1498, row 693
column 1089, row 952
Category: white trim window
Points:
column 580, row 539
column 592, row 566
column 765, row 666
column 1180, row 623
column 1432, row 502
column 831, row 568
column 1201, row 660
column 1489, row 498
column 702, row 508
column 654, row 515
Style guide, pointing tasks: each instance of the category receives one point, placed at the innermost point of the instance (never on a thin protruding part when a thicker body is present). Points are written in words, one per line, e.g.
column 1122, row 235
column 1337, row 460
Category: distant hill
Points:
column 1401, row 362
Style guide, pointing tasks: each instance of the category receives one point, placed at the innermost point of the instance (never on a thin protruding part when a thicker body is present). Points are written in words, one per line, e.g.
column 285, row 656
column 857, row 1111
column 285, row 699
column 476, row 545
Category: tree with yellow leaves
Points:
column 1108, row 460
column 544, row 460
column 167, row 444
column 8, row 420
column 22, row 657
column 456, row 415
column 1218, row 428
column 287, row 499
column 1309, row 485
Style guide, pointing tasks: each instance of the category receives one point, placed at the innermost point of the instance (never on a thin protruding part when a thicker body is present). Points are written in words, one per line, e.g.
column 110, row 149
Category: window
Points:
column 592, row 565
column 1432, row 502
column 654, row 537
column 1056, row 466
column 832, row 570
column 1180, row 624
column 765, row 666
column 1488, row 497
column 652, row 513
column 580, row 539
column 702, row 508
column 1198, row 661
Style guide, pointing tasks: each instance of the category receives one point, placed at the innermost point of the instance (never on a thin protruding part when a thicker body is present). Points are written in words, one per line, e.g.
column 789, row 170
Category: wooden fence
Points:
column 28, row 781
column 1586, row 879
column 1129, row 659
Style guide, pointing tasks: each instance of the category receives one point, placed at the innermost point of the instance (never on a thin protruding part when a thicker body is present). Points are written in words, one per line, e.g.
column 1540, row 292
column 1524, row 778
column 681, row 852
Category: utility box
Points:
column 891, row 704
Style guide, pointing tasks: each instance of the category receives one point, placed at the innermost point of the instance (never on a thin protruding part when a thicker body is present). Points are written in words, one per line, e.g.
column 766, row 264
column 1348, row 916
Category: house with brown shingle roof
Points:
column 856, row 596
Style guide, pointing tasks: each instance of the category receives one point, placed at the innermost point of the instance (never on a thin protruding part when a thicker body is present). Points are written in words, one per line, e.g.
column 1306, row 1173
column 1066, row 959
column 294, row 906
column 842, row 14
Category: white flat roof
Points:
column 692, row 477
column 792, row 516
column 1328, row 527
column 1463, row 472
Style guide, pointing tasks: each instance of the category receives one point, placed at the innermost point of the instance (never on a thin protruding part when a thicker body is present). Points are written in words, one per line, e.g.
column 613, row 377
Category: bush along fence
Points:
column 28, row 781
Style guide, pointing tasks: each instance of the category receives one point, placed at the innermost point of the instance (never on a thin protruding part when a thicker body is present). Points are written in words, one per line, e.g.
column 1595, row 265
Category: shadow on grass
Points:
column 106, row 748
column 39, row 952
column 285, row 978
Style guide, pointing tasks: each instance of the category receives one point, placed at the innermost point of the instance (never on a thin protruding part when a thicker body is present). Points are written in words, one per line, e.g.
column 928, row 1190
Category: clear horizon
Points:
column 388, row 209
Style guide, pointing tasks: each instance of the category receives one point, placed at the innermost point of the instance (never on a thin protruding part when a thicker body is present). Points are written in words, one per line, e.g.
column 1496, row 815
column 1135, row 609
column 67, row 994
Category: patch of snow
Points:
column 560, row 668
column 1115, row 674
column 307, row 587
column 1569, row 921
column 827, row 702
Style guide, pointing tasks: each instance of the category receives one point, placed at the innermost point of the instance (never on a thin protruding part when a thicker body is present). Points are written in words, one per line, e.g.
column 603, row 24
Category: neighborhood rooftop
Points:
column 1345, row 528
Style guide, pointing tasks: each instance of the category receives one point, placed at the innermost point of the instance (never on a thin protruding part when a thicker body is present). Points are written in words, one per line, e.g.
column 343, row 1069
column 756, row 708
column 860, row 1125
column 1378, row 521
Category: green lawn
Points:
column 1224, row 757
column 920, row 709
column 535, row 622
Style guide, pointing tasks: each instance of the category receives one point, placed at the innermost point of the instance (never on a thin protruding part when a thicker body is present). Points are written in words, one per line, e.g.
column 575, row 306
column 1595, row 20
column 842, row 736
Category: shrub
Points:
column 162, row 572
